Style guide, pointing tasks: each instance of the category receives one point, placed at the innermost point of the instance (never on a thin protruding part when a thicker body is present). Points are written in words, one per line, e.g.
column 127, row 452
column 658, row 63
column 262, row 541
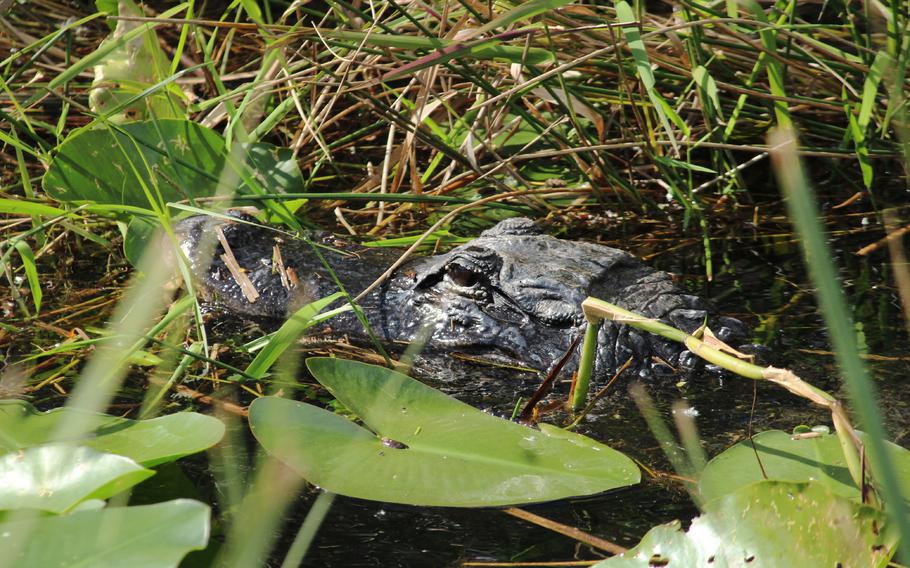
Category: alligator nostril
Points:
column 462, row 276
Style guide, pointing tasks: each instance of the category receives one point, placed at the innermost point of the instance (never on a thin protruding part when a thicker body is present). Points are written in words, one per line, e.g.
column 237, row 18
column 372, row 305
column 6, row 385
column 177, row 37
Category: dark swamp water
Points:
column 759, row 278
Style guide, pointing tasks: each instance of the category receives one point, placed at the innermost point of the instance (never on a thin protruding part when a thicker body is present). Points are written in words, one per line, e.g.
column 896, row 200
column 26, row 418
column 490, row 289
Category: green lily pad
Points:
column 770, row 524
column 57, row 477
column 786, row 459
column 174, row 159
column 148, row 442
column 149, row 536
column 428, row 448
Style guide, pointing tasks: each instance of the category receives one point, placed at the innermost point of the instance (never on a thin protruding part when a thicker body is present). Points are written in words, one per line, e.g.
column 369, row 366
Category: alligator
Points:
column 513, row 293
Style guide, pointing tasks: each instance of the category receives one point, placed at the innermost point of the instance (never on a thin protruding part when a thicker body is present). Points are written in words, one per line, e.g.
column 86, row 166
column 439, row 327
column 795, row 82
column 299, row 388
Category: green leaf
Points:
column 708, row 85
column 428, row 448
column 252, row 10
column 178, row 159
column 670, row 162
column 880, row 66
column 31, row 272
column 151, row 536
column 275, row 168
column 175, row 159
column 784, row 458
column 139, row 232
column 149, row 442
column 491, row 48
column 625, row 14
column 129, row 69
column 769, row 524
column 97, row 56
column 523, row 11
column 861, row 145
column 22, row 207
column 57, row 477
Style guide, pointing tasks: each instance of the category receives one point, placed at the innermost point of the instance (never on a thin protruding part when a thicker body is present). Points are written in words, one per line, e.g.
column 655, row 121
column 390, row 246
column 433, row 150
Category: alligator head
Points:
column 512, row 292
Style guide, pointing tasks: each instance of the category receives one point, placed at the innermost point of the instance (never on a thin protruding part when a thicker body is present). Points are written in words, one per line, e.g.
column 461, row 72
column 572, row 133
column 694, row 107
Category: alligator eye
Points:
column 462, row 276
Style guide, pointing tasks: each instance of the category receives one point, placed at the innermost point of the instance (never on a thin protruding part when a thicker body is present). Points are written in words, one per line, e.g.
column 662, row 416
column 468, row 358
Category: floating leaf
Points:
column 150, row 536
column 784, row 458
column 769, row 524
column 428, row 448
column 57, row 477
column 149, row 442
column 174, row 159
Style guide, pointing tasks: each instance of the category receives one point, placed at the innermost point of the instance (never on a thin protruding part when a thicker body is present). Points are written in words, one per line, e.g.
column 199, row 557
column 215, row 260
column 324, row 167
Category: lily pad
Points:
column 174, row 159
column 770, row 524
column 150, row 536
column 148, row 442
column 426, row 448
column 784, row 458
column 57, row 477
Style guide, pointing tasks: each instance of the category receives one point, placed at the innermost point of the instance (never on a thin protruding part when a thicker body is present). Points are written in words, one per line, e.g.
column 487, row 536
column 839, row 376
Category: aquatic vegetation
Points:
column 421, row 447
column 53, row 487
column 421, row 124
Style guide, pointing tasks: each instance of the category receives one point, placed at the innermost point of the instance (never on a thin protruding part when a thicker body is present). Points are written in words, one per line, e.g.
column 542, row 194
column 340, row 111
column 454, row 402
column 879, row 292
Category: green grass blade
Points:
column 22, row 207
column 31, row 272
column 523, row 11
column 626, row 15
column 287, row 334
column 805, row 217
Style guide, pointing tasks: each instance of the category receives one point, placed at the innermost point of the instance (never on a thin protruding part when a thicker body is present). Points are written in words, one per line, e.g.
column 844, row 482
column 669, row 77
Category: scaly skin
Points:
column 513, row 292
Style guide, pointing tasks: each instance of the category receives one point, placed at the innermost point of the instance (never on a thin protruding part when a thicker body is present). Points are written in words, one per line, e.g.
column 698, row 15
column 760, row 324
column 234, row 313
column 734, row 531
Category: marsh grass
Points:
column 407, row 116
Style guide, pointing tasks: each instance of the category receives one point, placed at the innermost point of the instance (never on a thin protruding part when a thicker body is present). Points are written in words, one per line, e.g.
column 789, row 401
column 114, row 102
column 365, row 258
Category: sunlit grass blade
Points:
column 625, row 15
column 23, row 207
column 287, row 334
column 314, row 518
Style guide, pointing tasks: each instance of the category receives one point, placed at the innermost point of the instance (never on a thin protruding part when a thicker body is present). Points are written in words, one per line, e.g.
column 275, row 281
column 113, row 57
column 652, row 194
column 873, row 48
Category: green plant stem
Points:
column 586, row 366
column 595, row 309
